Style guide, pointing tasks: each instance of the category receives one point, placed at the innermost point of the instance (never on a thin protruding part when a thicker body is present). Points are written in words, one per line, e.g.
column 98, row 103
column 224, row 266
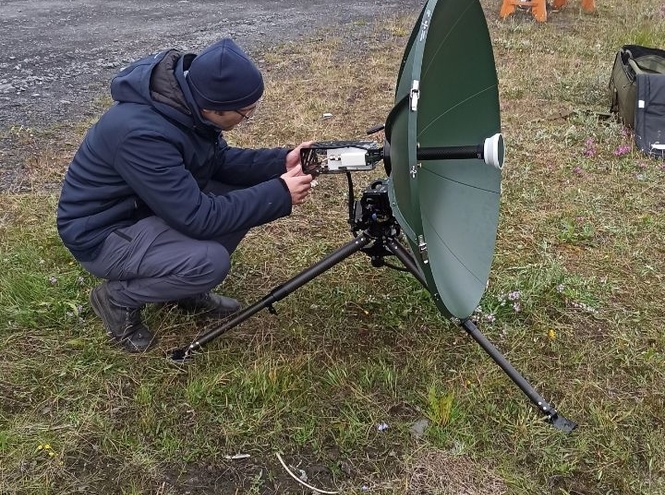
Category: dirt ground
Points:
column 57, row 56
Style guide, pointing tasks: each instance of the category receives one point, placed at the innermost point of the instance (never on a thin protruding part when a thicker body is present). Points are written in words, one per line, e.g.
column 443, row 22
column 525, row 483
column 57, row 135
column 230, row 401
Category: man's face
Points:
column 228, row 119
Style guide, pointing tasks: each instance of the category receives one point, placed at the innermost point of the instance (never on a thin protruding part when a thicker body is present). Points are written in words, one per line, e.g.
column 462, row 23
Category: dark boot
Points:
column 210, row 304
column 122, row 324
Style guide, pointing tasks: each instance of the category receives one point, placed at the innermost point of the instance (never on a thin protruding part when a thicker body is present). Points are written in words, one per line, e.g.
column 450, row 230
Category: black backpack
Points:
column 638, row 95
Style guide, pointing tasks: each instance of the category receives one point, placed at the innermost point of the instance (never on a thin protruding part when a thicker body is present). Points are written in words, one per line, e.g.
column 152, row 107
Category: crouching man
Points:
column 155, row 201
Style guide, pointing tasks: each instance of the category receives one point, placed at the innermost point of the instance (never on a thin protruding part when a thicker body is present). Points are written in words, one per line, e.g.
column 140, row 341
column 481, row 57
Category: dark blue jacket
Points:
column 151, row 153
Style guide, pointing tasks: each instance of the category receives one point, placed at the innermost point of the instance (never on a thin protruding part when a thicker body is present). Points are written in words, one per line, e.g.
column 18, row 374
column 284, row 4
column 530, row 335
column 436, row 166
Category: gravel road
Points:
column 58, row 56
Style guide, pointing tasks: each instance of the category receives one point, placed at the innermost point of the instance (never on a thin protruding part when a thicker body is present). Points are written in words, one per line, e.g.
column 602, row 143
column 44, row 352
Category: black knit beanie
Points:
column 222, row 77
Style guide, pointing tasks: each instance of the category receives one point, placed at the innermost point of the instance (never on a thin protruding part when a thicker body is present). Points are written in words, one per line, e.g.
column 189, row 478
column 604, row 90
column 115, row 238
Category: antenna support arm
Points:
column 491, row 151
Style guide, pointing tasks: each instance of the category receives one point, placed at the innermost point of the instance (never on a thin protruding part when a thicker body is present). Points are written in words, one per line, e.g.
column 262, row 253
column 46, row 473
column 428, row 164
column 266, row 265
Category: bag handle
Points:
column 651, row 63
column 633, row 65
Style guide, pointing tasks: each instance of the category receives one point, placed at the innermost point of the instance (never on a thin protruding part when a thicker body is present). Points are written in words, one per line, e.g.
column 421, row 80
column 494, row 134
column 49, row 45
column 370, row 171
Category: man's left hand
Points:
column 293, row 158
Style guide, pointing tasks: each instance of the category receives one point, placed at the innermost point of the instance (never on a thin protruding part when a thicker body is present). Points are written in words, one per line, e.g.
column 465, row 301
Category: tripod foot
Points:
column 561, row 423
column 179, row 356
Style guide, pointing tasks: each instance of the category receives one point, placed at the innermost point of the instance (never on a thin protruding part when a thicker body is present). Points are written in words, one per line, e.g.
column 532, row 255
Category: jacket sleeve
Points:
column 247, row 167
column 154, row 169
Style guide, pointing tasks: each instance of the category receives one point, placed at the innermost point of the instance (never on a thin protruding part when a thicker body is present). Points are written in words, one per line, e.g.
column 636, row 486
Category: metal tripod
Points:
column 379, row 238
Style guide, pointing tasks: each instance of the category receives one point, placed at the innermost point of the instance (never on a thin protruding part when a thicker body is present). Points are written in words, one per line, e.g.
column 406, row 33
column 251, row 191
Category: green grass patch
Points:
column 358, row 381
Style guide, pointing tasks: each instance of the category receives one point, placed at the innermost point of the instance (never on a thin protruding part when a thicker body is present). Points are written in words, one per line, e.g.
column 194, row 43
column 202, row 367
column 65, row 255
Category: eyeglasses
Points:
column 247, row 115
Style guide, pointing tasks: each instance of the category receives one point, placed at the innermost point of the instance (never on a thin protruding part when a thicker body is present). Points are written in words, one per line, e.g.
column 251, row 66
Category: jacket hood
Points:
column 159, row 81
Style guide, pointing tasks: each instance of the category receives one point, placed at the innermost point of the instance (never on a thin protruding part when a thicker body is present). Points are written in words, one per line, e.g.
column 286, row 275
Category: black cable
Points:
column 395, row 267
column 352, row 200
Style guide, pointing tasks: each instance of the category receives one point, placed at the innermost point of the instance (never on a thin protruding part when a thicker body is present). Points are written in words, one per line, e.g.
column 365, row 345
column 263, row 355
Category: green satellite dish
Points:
column 446, row 97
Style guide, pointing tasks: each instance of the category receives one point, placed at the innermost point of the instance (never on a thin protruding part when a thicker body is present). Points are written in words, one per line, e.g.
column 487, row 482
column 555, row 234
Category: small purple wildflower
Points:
column 382, row 427
column 590, row 148
column 517, row 307
column 514, row 296
column 622, row 150
column 578, row 170
column 53, row 280
column 560, row 288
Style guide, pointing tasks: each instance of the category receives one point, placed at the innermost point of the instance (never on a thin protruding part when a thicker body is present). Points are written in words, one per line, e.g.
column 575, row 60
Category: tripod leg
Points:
column 548, row 410
column 277, row 294
column 407, row 260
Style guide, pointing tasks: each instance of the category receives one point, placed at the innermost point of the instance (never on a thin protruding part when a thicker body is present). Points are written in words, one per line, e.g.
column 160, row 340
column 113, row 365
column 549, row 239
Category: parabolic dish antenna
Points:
column 447, row 96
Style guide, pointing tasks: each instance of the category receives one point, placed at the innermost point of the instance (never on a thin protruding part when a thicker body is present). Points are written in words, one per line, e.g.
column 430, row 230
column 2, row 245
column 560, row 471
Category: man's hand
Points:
column 299, row 185
column 293, row 158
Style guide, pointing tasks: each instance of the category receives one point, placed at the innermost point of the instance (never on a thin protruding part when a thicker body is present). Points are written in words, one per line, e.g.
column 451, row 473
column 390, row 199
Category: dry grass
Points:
column 433, row 471
column 581, row 238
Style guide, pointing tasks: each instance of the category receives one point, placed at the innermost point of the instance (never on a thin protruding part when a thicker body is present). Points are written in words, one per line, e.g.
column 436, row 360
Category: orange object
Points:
column 588, row 5
column 538, row 8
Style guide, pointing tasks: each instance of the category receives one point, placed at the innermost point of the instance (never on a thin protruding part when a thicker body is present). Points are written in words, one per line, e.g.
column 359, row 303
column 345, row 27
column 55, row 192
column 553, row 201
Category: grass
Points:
column 573, row 302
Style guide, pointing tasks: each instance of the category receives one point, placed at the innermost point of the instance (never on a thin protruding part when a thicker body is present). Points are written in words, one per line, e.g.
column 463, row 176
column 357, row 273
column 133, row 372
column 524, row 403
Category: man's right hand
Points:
column 299, row 185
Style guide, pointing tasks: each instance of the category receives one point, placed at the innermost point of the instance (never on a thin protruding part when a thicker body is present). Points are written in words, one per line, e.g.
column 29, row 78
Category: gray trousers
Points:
column 149, row 262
